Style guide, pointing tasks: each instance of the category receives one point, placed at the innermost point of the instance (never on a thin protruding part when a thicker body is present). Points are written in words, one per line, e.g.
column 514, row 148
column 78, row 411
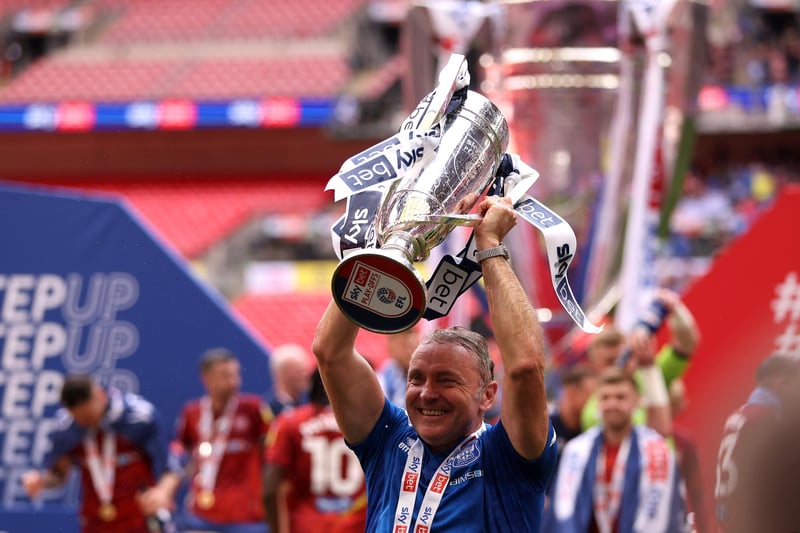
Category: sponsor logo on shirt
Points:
column 466, row 477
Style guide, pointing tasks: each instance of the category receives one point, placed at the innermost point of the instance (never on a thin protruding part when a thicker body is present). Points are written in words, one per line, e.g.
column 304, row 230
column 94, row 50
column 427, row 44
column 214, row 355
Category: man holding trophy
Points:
column 436, row 466
column 447, row 470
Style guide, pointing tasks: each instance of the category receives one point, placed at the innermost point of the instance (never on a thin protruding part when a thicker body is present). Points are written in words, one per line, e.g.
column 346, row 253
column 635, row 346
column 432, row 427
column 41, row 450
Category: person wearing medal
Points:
column 620, row 476
column 305, row 450
column 218, row 449
column 436, row 466
column 120, row 444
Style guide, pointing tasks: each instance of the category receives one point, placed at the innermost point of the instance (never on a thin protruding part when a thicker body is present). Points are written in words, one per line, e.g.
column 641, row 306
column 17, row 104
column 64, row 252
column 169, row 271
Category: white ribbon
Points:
column 215, row 435
column 561, row 245
column 608, row 496
column 409, row 486
column 101, row 470
column 638, row 274
column 385, row 162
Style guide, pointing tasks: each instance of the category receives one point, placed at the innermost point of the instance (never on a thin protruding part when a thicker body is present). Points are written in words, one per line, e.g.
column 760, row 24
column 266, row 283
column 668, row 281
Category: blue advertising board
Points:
column 86, row 288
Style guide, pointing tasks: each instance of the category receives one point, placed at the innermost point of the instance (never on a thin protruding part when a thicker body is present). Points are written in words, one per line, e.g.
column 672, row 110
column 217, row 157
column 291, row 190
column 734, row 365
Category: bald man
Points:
column 290, row 365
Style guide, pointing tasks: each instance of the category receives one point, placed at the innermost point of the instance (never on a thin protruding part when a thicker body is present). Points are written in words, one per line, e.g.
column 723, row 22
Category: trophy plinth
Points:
column 379, row 289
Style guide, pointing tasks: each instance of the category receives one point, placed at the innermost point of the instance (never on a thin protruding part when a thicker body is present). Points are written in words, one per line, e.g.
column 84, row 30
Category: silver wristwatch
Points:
column 497, row 251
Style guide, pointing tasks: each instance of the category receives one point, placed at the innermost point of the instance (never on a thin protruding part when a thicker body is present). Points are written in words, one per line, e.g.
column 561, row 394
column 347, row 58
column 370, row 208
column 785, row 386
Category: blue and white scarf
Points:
column 650, row 498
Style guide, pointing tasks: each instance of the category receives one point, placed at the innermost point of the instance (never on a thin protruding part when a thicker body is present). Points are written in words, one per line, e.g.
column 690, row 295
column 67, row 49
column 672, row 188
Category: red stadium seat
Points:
column 57, row 79
column 141, row 21
column 192, row 216
column 293, row 318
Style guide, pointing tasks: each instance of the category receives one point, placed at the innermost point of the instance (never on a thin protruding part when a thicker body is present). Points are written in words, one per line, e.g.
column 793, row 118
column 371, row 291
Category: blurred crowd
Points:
column 714, row 208
column 753, row 47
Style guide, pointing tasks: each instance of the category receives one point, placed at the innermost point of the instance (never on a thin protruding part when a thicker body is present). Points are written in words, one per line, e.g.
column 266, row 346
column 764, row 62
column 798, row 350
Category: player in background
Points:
column 119, row 443
column 326, row 484
column 218, row 450
column 756, row 465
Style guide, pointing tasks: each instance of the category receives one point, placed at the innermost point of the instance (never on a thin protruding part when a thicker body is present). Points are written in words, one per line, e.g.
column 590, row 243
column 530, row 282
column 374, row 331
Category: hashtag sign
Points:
column 786, row 307
column 788, row 342
column 787, row 302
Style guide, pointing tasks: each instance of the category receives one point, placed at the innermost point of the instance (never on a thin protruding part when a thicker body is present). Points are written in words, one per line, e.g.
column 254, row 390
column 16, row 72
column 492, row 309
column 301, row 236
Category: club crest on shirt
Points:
column 467, row 456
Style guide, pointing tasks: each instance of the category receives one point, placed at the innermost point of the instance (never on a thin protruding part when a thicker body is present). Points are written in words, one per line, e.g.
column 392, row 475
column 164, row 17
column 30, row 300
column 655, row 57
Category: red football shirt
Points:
column 133, row 474
column 742, row 482
column 611, row 458
column 327, row 483
column 237, row 491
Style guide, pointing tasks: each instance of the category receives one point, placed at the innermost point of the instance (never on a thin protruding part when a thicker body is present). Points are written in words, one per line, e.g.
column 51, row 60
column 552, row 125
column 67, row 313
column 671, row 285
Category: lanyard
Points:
column 434, row 493
column 101, row 470
column 608, row 496
column 209, row 454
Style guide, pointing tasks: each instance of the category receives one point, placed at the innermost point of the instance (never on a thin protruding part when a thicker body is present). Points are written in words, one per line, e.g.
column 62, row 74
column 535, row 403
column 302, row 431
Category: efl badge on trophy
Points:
column 407, row 193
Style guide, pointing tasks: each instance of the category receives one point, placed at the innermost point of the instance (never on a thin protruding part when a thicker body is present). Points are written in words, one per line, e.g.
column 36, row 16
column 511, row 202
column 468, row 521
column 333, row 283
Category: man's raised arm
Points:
column 350, row 381
column 518, row 334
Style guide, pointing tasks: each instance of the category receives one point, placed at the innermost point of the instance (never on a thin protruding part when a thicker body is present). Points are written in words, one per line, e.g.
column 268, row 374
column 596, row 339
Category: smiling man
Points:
column 618, row 476
column 436, row 466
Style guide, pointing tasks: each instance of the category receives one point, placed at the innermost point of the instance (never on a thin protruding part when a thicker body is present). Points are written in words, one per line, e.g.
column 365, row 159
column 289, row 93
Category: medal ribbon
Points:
column 608, row 496
column 219, row 431
column 102, row 471
column 433, row 495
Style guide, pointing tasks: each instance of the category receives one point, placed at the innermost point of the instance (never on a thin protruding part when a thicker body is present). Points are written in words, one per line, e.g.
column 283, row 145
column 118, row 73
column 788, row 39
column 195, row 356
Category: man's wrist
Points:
column 494, row 251
column 654, row 390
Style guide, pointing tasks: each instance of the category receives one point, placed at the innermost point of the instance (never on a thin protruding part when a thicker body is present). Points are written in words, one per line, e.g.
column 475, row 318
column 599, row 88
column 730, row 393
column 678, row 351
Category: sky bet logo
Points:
column 410, row 482
column 372, row 171
column 537, row 214
column 564, row 258
column 439, row 483
column 379, row 168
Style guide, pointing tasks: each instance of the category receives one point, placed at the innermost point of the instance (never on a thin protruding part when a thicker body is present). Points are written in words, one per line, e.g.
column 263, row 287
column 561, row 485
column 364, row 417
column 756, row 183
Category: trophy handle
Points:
column 450, row 220
column 380, row 290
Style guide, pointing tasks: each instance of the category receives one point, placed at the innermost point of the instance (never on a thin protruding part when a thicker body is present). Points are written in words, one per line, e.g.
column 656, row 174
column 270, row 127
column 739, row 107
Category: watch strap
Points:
column 497, row 251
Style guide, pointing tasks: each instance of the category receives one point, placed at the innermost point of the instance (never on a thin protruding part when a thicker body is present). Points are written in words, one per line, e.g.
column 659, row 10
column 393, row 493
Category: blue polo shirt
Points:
column 491, row 487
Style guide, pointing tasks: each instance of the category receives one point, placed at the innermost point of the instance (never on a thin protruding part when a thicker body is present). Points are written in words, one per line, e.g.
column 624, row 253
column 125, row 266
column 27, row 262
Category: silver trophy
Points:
column 379, row 288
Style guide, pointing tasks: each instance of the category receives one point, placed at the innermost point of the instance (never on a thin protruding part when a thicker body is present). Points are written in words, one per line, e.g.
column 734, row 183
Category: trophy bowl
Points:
column 378, row 288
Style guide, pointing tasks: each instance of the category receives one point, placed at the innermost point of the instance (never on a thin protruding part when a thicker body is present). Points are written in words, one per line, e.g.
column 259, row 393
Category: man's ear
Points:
column 488, row 395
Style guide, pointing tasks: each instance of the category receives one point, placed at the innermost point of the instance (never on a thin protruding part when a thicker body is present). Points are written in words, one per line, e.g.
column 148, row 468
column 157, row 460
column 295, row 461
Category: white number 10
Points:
column 334, row 467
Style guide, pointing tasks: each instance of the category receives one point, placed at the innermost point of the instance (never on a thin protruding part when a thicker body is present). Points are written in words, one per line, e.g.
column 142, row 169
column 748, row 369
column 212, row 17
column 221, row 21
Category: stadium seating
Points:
column 192, row 216
column 310, row 76
column 53, row 79
column 292, row 318
column 139, row 22
column 285, row 18
column 154, row 49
